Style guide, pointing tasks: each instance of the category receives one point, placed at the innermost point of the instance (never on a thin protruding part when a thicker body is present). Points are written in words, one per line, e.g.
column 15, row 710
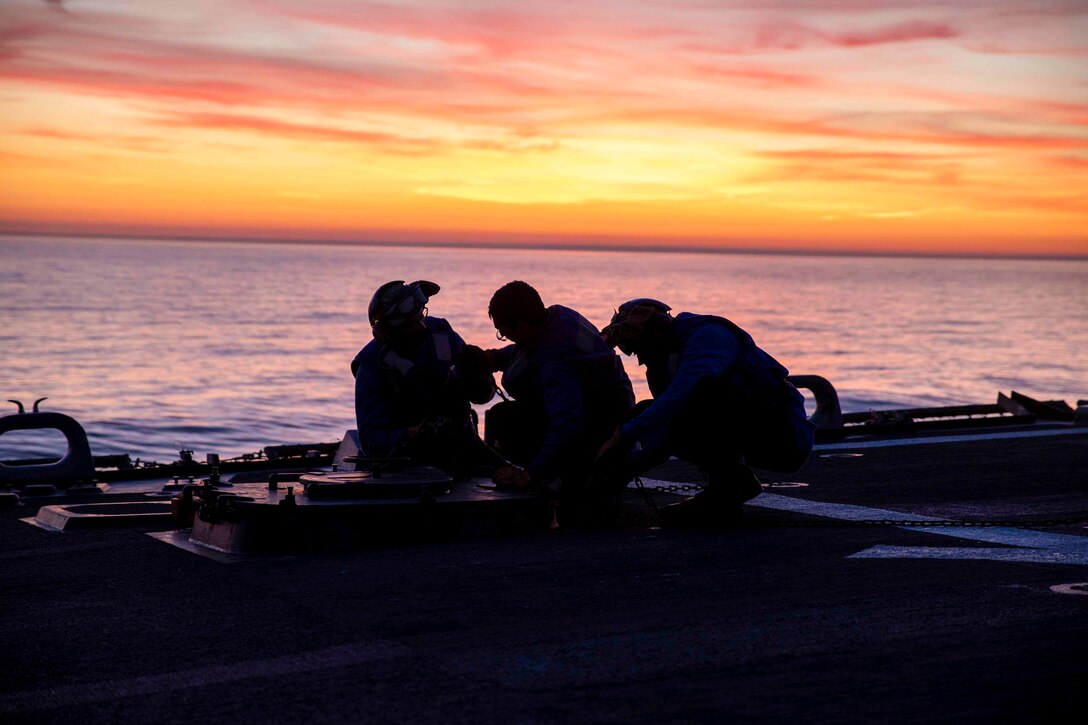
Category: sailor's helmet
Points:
column 629, row 323
column 396, row 303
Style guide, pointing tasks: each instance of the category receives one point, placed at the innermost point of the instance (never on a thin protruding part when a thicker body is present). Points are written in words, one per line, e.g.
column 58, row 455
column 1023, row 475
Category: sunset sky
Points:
column 958, row 127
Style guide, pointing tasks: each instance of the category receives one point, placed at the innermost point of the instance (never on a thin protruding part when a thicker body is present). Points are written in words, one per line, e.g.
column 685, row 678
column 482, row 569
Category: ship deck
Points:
column 851, row 591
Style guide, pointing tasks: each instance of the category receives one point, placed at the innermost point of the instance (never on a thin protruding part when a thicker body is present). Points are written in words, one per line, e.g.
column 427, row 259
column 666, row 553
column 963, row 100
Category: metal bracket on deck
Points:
column 75, row 465
column 828, row 413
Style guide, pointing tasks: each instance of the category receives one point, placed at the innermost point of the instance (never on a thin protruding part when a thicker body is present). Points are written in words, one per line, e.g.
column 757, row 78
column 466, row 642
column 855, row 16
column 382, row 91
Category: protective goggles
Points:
column 408, row 308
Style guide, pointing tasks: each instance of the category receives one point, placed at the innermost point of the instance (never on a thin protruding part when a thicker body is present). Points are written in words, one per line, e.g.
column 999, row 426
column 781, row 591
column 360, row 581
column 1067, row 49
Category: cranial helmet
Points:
column 630, row 323
column 395, row 303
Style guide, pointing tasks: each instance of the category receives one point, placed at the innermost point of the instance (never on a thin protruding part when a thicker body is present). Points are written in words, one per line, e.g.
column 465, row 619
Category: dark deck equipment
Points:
column 76, row 465
column 336, row 510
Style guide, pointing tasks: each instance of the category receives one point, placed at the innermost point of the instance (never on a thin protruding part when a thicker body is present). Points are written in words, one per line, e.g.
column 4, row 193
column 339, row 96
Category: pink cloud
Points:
column 791, row 36
column 463, row 29
column 1025, row 110
column 283, row 129
column 1077, row 163
column 761, row 77
column 387, row 142
column 114, row 84
column 900, row 33
column 910, row 127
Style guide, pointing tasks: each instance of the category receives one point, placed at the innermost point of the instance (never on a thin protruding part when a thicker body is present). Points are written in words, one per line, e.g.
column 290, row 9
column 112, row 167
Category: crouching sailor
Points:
column 719, row 401
column 570, row 392
column 410, row 398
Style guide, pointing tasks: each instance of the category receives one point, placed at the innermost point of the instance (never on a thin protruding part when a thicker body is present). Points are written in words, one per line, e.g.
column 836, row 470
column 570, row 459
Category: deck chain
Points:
column 672, row 488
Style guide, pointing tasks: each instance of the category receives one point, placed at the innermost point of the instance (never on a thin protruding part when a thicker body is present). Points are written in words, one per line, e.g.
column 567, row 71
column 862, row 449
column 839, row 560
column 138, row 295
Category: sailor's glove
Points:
column 426, row 435
column 512, row 477
column 614, row 459
column 610, row 448
column 473, row 367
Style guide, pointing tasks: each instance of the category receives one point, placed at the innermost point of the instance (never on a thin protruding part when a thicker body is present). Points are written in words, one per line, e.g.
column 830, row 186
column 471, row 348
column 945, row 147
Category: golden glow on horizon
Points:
column 933, row 127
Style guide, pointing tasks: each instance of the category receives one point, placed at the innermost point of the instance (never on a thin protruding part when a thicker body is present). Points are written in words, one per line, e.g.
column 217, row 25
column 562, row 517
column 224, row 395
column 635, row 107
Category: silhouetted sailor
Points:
column 719, row 401
column 410, row 398
column 569, row 389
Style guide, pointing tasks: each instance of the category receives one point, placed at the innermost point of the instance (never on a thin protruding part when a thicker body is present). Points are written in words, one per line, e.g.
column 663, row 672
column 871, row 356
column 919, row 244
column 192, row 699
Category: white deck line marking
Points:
column 1031, row 556
column 1025, row 544
column 103, row 691
column 965, row 437
column 840, row 511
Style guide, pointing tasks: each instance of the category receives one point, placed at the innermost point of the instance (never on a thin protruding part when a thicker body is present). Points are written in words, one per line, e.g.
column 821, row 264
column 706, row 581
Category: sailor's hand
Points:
column 614, row 461
column 425, row 430
column 474, row 367
column 609, row 448
column 473, row 357
column 512, row 477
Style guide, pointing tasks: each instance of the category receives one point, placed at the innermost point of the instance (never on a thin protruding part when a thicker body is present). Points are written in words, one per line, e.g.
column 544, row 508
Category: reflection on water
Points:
column 228, row 347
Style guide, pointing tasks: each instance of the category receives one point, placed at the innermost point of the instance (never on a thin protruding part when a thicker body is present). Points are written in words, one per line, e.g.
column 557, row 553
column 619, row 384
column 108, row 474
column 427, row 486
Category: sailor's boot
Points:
column 719, row 504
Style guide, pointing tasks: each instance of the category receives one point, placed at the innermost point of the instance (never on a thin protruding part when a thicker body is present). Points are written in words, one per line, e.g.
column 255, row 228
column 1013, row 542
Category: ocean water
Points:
column 225, row 348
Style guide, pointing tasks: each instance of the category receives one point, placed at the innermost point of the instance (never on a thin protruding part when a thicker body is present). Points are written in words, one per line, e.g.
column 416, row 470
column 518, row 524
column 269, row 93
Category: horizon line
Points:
column 548, row 246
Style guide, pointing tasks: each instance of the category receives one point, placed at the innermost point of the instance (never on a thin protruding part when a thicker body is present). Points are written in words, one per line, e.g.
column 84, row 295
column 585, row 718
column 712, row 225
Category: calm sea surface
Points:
column 226, row 348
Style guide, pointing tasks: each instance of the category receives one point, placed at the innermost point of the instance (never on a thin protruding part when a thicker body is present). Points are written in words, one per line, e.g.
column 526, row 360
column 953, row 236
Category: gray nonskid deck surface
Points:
column 777, row 619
